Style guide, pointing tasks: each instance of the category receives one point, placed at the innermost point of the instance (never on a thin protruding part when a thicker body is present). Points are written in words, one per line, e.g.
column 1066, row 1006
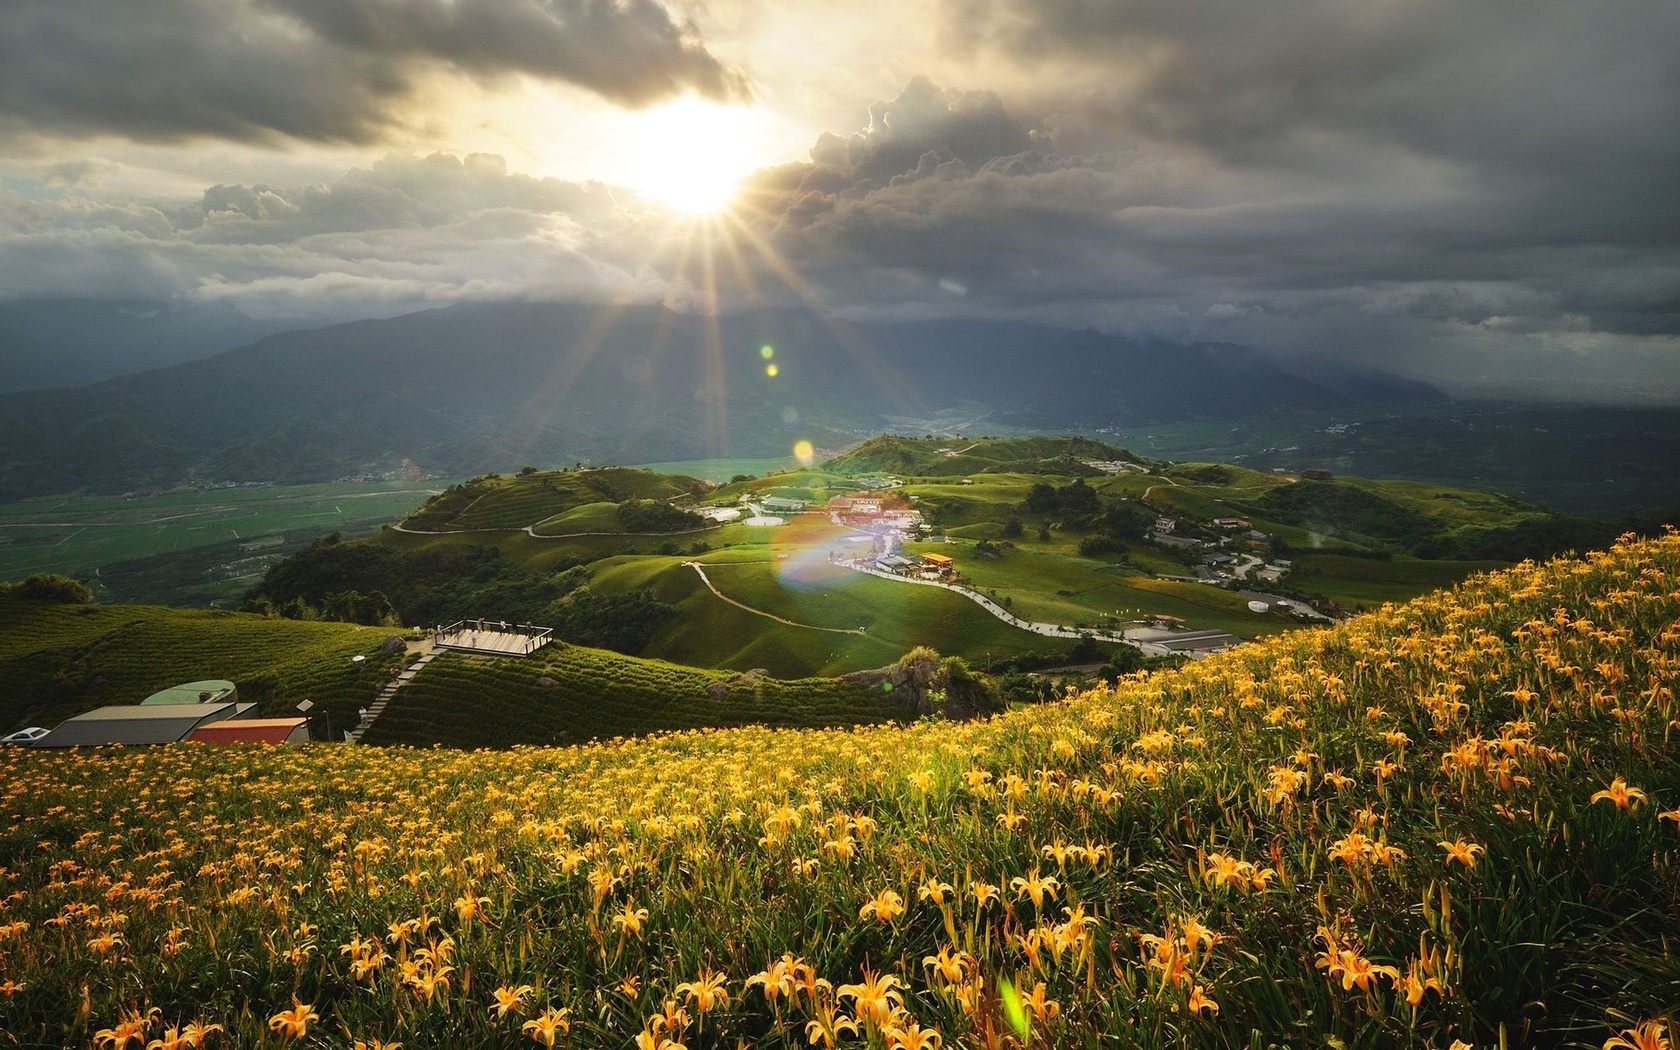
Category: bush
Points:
column 46, row 587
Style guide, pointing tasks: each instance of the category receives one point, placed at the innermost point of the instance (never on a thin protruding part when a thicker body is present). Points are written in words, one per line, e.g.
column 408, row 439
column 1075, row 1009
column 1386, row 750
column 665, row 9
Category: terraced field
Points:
column 571, row 694
column 60, row 660
column 519, row 500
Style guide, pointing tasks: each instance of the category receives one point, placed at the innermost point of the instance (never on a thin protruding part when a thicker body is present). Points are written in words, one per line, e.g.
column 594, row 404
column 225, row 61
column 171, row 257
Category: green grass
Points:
column 591, row 517
column 805, row 589
column 721, row 470
column 571, row 694
column 1370, row 582
column 519, row 500
column 80, row 536
column 60, row 660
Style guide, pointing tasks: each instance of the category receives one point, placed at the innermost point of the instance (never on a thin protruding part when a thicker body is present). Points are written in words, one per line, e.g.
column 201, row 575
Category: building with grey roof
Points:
column 140, row 724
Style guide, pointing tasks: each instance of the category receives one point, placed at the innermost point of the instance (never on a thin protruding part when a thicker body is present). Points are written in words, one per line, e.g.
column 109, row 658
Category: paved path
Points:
column 760, row 612
column 428, row 653
column 1048, row 630
column 530, row 530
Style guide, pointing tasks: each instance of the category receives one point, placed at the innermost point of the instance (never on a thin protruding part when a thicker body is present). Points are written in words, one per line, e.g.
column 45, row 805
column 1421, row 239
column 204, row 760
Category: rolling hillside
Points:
column 1009, row 513
column 1413, row 829
column 57, row 660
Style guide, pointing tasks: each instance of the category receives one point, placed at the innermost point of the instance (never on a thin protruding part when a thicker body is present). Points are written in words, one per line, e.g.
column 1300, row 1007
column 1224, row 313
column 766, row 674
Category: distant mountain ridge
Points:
column 47, row 343
column 490, row 386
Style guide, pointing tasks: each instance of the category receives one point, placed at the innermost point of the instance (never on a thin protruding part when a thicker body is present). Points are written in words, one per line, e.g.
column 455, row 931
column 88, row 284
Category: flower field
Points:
column 1455, row 820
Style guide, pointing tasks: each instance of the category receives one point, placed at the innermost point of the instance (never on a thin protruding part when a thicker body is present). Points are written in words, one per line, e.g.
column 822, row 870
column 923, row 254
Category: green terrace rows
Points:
column 59, row 660
column 519, row 500
column 571, row 694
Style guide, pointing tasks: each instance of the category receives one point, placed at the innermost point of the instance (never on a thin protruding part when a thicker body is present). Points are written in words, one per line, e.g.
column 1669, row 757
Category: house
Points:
column 941, row 563
column 780, row 504
column 140, row 723
column 1231, row 523
column 1183, row 542
column 252, row 731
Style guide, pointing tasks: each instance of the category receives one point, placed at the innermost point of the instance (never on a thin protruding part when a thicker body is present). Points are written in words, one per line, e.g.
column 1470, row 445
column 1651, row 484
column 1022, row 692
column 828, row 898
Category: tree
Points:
column 49, row 587
column 1013, row 527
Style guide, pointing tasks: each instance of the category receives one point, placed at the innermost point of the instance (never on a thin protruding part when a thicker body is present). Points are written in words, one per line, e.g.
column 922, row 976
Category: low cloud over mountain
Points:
column 1482, row 197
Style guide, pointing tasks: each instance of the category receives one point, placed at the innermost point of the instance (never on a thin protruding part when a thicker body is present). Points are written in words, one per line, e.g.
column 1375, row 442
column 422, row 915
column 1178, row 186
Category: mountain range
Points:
column 492, row 386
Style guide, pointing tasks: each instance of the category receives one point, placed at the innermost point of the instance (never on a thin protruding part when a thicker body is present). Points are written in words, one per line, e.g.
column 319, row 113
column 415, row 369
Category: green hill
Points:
column 1454, row 822
column 1031, row 524
column 57, row 660
column 529, row 498
column 947, row 457
column 571, row 694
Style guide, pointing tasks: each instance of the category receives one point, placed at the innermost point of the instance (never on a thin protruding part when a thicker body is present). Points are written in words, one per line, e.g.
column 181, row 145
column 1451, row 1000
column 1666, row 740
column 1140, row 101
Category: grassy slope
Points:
column 1500, row 716
column 473, row 701
column 515, row 501
column 972, row 495
column 59, row 660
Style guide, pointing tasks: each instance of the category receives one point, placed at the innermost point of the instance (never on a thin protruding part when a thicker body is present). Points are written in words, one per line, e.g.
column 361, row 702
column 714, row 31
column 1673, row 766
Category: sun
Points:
column 692, row 155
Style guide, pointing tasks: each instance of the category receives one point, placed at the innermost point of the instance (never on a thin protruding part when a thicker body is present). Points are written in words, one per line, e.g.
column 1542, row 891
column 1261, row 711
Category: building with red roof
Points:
column 252, row 731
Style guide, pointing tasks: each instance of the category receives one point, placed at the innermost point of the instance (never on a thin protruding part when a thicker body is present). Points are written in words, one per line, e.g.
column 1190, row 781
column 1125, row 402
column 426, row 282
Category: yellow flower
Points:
column 547, row 1025
column 1463, row 852
column 1039, row 1002
column 510, row 999
column 707, row 991
column 1650, row 1035
column 1619, row 793
column 294, row 1023
column 876, row 998
column 950, row 966
column 631, row 919
column 1199, row 1001
column 1035, row 887
column 884, row 906
column 911, row 1036
column 935, row 891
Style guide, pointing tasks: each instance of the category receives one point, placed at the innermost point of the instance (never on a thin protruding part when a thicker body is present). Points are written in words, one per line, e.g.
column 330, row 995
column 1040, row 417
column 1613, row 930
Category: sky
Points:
column 1483, row 195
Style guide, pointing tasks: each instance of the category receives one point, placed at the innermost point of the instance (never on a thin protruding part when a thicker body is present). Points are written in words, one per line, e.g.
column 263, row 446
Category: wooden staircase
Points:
column 389, row 690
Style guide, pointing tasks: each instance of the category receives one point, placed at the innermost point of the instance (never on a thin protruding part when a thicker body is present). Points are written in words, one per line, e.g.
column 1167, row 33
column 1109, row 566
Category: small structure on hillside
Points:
column 210, row 691
column 140, row 724
column 940, row 563
column 274, row 731
column 1317, row 474
column 782, row 505
column 493, row 637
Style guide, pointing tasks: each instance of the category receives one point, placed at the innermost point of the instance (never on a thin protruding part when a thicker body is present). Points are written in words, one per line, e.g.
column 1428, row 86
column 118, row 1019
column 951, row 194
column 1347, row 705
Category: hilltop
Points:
column 1059, row 530
column 1409, row 829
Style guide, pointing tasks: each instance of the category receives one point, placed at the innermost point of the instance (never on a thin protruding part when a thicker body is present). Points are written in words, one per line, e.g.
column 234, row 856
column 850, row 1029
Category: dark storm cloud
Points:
column 405, row 232
column 1394, row 183
column 325, row 70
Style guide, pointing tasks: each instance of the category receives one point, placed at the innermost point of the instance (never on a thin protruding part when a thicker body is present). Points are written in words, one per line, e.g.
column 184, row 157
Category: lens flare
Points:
column 771, row 370
column 803, row 452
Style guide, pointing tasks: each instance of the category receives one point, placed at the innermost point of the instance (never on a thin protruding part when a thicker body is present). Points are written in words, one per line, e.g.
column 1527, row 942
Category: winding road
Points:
column 760, row 612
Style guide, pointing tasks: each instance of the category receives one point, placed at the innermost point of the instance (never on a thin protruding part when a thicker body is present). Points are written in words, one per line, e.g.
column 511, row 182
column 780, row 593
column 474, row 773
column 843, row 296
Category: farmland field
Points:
column 200, row 547
column 1409, row 830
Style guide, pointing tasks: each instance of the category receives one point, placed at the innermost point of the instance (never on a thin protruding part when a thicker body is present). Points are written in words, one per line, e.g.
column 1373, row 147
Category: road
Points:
column 1048, row 630
column 760, row 612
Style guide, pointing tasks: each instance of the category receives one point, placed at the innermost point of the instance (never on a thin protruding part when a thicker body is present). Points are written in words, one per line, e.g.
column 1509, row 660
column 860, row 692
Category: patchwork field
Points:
column 188, row 548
